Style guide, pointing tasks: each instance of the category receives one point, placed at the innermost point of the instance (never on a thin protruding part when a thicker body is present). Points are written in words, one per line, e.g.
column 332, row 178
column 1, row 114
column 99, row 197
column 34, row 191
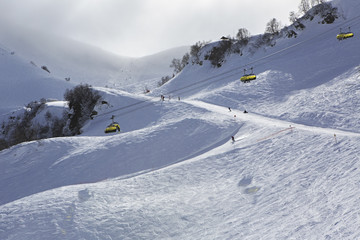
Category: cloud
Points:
column 141, row 27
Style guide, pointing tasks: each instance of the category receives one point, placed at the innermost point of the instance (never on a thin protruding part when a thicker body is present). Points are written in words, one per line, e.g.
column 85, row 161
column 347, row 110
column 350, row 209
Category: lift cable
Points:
column 224, row 75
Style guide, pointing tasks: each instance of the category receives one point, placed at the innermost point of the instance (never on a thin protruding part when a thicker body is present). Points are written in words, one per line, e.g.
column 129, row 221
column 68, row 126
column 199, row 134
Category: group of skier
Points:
column 232, row 137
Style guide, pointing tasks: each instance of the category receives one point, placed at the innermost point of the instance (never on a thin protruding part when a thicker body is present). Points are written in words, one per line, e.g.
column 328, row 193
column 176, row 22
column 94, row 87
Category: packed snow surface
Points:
column 293, row 171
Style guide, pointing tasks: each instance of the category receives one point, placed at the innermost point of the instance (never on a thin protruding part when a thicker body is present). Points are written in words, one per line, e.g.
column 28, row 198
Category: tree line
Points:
column 23, row 127
column 307, row 9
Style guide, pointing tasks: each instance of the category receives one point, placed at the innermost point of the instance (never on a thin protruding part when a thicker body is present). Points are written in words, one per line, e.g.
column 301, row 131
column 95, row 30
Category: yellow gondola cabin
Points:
column 343, row 35
column 248, row 77
column 113, row 127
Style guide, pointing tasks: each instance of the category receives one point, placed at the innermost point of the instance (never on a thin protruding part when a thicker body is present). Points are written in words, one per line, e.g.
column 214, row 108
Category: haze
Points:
column 138, row 28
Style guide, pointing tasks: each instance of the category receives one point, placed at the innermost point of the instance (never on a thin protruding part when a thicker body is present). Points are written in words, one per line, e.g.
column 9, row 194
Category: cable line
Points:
column 223, row 75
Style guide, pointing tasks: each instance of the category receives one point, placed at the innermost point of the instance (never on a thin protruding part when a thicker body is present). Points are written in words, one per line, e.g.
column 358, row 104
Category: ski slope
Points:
column 173, row 171
column 290, row 185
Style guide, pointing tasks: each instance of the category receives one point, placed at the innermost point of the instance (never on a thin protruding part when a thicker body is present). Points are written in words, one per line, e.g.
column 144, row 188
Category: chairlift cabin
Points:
column 248, row 77
column 113, row 126
column 344, row 35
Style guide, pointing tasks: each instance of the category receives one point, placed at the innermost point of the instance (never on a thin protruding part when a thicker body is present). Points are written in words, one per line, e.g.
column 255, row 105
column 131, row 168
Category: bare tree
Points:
column 243, row 35
column 195, row 51
column 316, row 2
column 293, row 17
column 273, row 26
column 164, row 80
column 179, row 64
column 176, row 64
column 185, row 60
column 304, row 6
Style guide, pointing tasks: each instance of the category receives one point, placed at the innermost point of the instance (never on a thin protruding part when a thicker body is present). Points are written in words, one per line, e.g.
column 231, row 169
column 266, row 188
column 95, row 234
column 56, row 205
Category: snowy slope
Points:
column 314, row 61
column 270, row 184
column 66, row 161
column 173, row 172
column 66, row 58
column 22, row 82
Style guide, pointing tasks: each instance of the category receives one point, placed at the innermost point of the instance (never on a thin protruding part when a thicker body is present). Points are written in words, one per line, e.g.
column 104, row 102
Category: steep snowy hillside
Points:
column 21, row 81
column 286, row 73
column 82, row 63
column 292, row 171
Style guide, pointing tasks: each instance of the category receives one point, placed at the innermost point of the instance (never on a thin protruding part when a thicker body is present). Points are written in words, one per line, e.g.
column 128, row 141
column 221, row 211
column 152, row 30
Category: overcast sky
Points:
column 143, row 27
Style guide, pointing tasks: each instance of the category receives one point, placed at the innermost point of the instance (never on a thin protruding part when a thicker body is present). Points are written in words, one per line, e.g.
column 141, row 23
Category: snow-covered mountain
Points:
column 173, row 172
column 79, row 62
column 22, row 81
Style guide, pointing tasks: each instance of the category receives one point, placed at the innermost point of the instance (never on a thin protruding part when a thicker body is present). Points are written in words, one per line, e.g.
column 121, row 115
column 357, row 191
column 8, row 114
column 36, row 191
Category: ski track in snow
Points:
column 243, row 193
column 266, row 121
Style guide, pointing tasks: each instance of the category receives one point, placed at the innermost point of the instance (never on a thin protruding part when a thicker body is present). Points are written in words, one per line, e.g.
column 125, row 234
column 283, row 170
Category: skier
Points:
column 229, row 109
column 232, row 138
